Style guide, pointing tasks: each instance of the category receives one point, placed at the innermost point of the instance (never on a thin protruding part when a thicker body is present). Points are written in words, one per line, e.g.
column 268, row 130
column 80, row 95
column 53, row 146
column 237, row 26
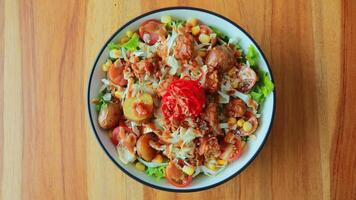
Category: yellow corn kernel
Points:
column 129, row 33
column 166, row 19
column 221, row 162
column 247, row 127
column 195, row 30
column 234, row 83
column 140, row 167
column 188, row 170
column 118, row 94
column 158, row 159
column 240, row 122
column 204, row 38
column 192, row 21
column 211, row 166
column 106, row 65
column 115, row 53
column 231, row 121
column 124, row 39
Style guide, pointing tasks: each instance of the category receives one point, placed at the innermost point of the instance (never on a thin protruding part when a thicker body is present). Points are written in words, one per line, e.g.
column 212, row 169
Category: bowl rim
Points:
column 181, row 190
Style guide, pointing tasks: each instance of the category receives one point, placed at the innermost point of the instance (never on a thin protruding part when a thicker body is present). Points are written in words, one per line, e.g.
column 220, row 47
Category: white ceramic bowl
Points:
column 201, row 182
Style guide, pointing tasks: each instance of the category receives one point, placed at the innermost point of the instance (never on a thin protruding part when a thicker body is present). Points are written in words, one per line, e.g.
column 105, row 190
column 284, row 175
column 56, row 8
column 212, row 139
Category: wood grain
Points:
column 2, row 39
column 343, row 151
column 48, row 151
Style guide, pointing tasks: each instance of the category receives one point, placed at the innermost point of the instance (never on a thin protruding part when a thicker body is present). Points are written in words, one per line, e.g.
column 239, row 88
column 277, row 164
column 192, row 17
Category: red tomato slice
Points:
column 176, row 177
column 231, row 152
column 250, row 117
column 116, row 75
column 151, row 30
column 124, row 133
column 115, row 136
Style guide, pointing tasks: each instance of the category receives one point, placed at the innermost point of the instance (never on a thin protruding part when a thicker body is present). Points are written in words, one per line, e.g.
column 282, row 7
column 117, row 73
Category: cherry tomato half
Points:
column 116, row 136
column 177, row 177
column 151, row 30
column 231, row 151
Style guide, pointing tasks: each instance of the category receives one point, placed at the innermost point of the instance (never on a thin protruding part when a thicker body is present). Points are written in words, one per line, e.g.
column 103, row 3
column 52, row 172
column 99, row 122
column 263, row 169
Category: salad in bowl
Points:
column 180, row 99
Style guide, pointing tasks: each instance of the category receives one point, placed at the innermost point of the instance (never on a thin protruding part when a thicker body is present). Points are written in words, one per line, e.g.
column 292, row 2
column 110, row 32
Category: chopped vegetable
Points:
column 132, row 44
column 158, row 159
column 158, row 172
column 114, row 54
column 129, row 33
column 140, row 167
column 188, row 170
column 112, row 45
column 247, row 126
column 263, row 87
column 195, row 30
column 240, row 122
column 251, row 55
column 204, row 38
column 221, row 162
column 192, row 21
column 244, row 138
column 219, row 34
column 105, row 67
column 166, row 19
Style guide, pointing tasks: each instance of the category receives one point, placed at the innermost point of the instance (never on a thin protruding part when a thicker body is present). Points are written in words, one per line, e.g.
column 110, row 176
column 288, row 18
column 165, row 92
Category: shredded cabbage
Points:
column 151, row 164
column 210, row 172
column 223, row 98
column 173, row 63
column 170, row 41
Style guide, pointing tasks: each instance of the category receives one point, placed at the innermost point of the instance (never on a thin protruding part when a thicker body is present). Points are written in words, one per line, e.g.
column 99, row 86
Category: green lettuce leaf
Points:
column 251, row 56
column 157, row 172
column 263, row 87
column 112, row 46
column 220, row 34
column 132, row 44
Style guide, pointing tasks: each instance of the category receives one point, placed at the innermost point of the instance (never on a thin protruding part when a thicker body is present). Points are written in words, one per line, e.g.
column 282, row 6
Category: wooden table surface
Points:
column 48, row 151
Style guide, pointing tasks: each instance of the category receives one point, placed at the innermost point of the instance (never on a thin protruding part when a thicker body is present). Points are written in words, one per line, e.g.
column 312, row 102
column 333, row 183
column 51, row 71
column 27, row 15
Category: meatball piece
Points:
column 235, row 108
column 116, row 74
column 209, row 147
column 247, row 78
column 212, row 81
column 110, row 115
column 221, row 57
column 184, row 47
column 211, row 116
column 144, row 67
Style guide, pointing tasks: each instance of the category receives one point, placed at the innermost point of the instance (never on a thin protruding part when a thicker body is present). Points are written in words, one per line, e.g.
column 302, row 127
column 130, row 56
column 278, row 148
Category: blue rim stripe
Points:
column 147, row 183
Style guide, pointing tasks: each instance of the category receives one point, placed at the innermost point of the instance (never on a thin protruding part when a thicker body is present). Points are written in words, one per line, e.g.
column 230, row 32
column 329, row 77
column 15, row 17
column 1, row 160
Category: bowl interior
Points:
column 200, row 182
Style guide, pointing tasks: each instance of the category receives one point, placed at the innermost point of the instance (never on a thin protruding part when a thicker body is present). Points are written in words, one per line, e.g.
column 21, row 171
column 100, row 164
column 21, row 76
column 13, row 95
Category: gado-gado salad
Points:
column 180, row 98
